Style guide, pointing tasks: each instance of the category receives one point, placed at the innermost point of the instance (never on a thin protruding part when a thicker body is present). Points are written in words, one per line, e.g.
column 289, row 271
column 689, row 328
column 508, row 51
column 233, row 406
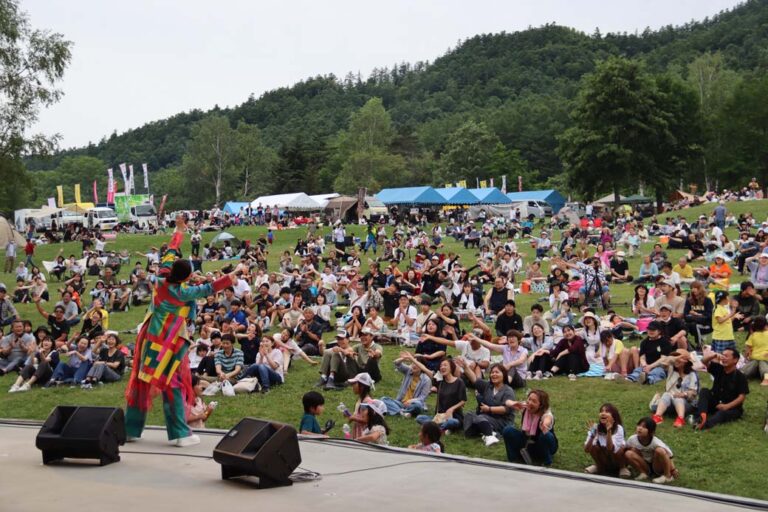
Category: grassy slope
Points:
column 710, row 461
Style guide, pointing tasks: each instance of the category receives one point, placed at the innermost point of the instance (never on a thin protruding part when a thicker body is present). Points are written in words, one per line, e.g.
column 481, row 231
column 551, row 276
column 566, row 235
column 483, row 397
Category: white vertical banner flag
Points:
column 123, row 171
column 110, row 183
column 146, row 176
column 130, row 179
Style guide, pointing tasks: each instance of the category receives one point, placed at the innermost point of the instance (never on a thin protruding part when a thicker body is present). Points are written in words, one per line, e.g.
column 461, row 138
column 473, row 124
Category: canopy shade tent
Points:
column 637, row 199
column 457, row 195
column 8, row 233
column 224, row 236
column 608, row 199
column 296, row 201
column 233, row 207
column 490, row 195
column 552, row 197
column 79, row 207
column 411, row 195
column 339, row 207
column 322, row 199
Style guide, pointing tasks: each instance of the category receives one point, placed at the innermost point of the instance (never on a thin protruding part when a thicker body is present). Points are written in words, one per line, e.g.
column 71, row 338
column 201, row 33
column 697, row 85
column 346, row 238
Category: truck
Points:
column 101, row 217
column 136, row 208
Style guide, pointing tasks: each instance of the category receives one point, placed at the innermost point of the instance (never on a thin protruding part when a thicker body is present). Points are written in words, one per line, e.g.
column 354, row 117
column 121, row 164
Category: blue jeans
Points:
column 541, row 448
column 451, row 424
column 394, row 407
column 656, row 375
column 266, row 375
column 370, row 244
column 66, row 373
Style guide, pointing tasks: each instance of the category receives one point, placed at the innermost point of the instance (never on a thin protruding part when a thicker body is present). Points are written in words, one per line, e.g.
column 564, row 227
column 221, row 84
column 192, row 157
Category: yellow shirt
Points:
column 685, row 273
column 722, row 331
column 411, row 389
column 758, row 342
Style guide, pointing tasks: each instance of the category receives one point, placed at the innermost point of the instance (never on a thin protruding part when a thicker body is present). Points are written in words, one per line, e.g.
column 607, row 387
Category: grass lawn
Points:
column 729, row 459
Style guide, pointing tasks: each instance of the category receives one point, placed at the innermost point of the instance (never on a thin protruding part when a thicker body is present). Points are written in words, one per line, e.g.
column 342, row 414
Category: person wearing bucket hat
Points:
column 362, row 385
column 720, row 271
column 375, row 426
column 722, row 322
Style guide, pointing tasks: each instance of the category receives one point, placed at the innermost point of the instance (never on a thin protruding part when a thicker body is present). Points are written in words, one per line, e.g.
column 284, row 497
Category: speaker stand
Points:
column 229, row 472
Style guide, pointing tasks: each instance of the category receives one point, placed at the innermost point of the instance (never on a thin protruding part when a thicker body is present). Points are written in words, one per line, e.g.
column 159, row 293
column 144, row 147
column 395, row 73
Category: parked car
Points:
column 578, row 208
column 539, row 209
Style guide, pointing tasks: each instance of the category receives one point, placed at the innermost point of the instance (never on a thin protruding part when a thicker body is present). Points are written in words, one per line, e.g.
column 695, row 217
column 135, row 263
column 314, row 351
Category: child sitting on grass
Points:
column 199, row 412
column 649, row 455
column 375, row 427
column 429, row 439
column 313, row 403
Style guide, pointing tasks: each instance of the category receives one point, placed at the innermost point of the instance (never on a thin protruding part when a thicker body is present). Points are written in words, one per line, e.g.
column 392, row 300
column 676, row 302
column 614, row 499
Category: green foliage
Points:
column 470, row 151
column 521, row 86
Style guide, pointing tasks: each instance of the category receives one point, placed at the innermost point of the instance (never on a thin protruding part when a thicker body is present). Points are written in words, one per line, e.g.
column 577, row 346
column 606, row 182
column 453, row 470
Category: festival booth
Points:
column 552, row 197
column 298, row 201
column 490, row 202
column 343, row 208
column 235, row 207
column 323, row 199
column 417, row 199
column 456, row 196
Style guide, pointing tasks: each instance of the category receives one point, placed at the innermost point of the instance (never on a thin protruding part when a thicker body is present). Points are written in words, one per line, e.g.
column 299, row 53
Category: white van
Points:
column 539, row 209
column 102, row 217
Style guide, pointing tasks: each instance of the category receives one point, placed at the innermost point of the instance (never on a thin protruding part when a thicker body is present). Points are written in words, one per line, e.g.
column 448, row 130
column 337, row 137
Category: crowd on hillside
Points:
column 452, row 326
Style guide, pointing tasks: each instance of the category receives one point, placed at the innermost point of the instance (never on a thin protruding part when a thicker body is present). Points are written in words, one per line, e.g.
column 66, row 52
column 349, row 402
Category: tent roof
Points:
column 538, row 195
column 234, row 206
column 322, row 199
column 339, row 206
column 7, row 232
column 609, row 199
column 295, row 201
column 224, row 236
column 457, row 195
column 637, row 198
column 79, row 207
column 490, row 195
column 410, row 195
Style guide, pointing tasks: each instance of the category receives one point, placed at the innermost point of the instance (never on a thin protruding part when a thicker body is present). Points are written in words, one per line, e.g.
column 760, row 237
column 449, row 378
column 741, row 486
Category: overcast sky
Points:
column 142, row 60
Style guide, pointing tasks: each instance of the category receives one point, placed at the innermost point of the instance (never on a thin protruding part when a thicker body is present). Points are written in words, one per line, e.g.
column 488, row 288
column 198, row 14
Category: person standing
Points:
column 10, row 256
column 160, row 360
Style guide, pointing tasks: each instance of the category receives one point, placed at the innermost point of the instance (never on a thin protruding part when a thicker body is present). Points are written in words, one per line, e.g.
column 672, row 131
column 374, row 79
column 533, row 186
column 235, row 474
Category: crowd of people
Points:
column 452, row 326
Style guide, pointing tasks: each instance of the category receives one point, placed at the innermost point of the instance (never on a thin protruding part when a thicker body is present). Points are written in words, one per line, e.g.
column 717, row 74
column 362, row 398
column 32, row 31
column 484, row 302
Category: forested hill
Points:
column 519, row 85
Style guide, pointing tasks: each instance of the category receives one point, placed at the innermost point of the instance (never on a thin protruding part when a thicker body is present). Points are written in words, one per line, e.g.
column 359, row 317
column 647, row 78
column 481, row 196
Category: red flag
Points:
column 95, row 193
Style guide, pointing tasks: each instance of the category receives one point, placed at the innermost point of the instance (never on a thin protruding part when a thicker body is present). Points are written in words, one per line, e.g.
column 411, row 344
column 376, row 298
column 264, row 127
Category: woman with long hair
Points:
column 161, row 345
column 535, row 440
column 606, row 443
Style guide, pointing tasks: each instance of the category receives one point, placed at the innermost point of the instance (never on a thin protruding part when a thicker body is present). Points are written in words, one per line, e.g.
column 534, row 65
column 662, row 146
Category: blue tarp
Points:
column 457, row 195
column 410, row 195
column 552, row 197
column 233, row 207
column 490, row 195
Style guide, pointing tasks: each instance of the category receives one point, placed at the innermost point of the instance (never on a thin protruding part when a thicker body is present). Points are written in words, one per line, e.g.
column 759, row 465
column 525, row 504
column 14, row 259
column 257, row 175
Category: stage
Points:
column 352, row 475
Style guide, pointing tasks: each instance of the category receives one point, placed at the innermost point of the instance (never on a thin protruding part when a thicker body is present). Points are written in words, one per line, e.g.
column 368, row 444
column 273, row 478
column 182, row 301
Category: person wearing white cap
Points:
column 758, row 271
column 362, row 385
column 375, row 426
column 620, row 268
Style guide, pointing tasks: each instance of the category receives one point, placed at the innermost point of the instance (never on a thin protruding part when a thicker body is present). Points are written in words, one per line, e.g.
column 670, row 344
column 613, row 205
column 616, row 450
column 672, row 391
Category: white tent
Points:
column 322, row 199
column 296, row 201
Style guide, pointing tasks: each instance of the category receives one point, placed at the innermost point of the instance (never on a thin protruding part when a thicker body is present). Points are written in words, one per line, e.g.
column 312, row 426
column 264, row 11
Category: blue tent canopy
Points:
column 490, row 195
column 552, row 197
column 410, row 195
column 457, row 195
column 233, row 207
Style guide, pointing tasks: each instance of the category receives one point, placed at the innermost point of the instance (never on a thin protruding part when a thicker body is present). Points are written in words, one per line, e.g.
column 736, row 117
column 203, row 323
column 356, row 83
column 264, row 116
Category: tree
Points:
column 364, row 154
column 31, row 63
column 506, row 162
column 211, row 161
column 255, row 160
column 469, row 153
column 620, row 131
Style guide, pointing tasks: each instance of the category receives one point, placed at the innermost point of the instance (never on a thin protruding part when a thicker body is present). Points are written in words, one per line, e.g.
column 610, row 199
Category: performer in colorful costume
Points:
column 160, row 361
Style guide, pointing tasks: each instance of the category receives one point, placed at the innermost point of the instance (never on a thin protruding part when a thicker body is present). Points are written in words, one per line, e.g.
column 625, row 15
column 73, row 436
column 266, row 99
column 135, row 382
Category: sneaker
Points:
column 642, row 378
column 528, row 376
column 571, row 376
column 25, row 387
column 330, row 384
column 548, row 375
column 490, row 440
column 592, row 470
column 537, row 375
column 406, row 415
column 663, row 479
column 86, row 385
column 321, row 382
column 679, row 422
column 624, row 473
column 641, row 477
column 657, row 419
column 190, row 440
column 264, row 391
column 13, row 389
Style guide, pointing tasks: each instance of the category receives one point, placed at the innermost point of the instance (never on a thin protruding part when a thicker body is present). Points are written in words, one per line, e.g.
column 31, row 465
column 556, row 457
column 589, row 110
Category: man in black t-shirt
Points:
column 650, row 370
column 620, row 269
column 725, row 401
column 508, row 319
column 672, row 328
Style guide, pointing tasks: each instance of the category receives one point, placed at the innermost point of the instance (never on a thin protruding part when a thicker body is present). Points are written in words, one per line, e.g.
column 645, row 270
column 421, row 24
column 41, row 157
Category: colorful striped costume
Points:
column 160, row 362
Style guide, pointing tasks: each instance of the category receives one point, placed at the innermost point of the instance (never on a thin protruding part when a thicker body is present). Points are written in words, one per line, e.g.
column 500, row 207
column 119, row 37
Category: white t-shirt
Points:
column 277, row 357
column 647, row 450
column 469, row 354
column 602, row 440
column 241, row 288
column 401, row 316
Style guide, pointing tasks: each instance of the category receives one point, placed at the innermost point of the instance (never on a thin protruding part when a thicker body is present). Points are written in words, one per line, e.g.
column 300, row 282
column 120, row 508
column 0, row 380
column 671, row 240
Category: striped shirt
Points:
column 228, row 363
